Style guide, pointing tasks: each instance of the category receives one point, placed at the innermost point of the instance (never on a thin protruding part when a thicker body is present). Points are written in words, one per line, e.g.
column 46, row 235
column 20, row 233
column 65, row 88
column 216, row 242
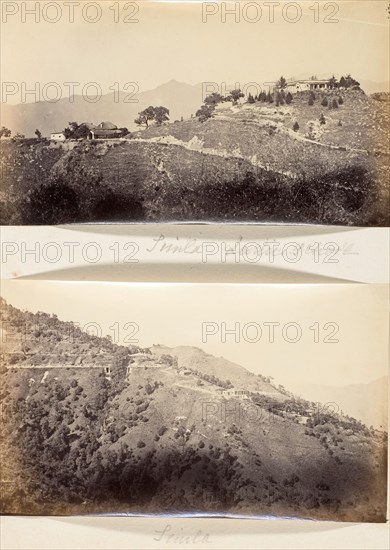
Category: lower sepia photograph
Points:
column 225, row 400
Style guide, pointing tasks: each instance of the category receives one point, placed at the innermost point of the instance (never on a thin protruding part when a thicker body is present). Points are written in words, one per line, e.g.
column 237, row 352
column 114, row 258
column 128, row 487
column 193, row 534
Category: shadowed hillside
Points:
column 254, row 162
column 105, row 428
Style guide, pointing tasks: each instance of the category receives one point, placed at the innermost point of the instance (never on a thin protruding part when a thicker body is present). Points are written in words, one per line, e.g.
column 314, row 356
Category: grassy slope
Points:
column 170, row 181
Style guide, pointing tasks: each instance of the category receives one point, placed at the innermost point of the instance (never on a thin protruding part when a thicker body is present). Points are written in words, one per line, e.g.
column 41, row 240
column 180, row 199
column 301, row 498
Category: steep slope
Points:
column 159, row 434
column 196, row 360
column 246, row 163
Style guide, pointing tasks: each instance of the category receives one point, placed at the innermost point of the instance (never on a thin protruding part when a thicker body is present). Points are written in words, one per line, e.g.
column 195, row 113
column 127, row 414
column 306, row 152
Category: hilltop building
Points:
column 295, row 86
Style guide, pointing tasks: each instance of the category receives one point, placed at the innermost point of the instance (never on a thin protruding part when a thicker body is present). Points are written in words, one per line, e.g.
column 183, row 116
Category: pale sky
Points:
column 172, row 315
column 170, row 41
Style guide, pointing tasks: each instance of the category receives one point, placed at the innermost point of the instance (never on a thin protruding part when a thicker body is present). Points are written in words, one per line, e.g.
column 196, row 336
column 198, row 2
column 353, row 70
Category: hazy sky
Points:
column 171, row 41
column 173, row 315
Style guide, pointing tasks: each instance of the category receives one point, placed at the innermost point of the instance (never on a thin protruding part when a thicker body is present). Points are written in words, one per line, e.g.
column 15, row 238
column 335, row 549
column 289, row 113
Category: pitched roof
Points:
column 89, row 125
column 107, row 126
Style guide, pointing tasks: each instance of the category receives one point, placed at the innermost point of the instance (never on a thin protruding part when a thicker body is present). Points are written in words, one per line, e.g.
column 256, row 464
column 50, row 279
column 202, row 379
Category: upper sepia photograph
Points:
column 195, row 112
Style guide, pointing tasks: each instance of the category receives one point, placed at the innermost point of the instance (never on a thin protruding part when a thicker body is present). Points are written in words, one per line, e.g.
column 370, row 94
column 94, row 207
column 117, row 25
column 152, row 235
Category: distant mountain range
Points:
column 181, row 99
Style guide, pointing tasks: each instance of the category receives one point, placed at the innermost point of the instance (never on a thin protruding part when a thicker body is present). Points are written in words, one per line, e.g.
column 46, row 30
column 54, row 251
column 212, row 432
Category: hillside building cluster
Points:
column 105, row 130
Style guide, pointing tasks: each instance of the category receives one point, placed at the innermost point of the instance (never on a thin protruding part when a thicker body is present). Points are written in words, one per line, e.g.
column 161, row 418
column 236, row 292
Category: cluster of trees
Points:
column 280, row 97
column 344, row 82
column 169, row 360
column 332, row 103
column 210, row 102
column 211, row 379
column 44, row 339
column 75, row 131
column 318, row 417
column 5, row 132
column 157, row 114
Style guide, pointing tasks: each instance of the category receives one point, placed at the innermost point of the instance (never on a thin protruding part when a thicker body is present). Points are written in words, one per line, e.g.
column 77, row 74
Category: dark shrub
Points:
column 51, row 204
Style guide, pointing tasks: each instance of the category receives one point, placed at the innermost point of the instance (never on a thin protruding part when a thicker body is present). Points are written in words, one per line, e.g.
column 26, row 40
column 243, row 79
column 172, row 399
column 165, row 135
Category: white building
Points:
column 57, row 136
column 307, row 86
column 295, row 86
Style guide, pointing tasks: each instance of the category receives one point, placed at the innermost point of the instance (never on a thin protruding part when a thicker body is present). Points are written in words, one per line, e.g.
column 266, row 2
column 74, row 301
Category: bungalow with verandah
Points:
column 295, row 86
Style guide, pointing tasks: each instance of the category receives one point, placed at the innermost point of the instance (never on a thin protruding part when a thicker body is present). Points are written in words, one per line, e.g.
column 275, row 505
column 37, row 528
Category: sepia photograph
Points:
column 194, row 400
column 208, row 112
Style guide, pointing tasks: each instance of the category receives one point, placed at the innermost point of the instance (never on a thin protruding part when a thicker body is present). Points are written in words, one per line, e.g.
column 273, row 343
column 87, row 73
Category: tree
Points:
column 213, row 99
column 161, row 115
column 205, row 112
column 279, row 99
column 70, row 130
column 5, row 132
column 296, row 126
column 270, row 99
column 80, row 131
column 251, row 99
column 145, row 116
column 263, row 97
column 351, row 81
column 282, row 83
column 235, row 96
column 289, row 98
column 38, row 133
column 324, row 102
column 18, row 135
column 333, row 82
column 123, row 132
column 158, row 114
column 348, row 82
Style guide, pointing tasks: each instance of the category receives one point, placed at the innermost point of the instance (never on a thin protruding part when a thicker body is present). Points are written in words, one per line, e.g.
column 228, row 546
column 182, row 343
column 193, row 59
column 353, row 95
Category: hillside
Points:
column 156, row 434
column 121, row 108
column 245, row 164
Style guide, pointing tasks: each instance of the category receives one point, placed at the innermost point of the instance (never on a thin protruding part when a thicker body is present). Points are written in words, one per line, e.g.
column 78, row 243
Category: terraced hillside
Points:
column 245, row 163
column 171, row 430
